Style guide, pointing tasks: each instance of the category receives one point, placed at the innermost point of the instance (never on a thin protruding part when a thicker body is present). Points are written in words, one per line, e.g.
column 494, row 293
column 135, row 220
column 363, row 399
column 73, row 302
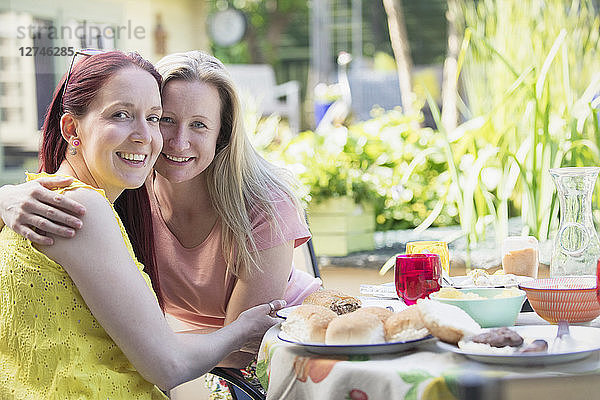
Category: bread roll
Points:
column 379, row 312
column 446, row 322
column 308, row 323
column 335, row 300
column 355, row 328
column 405, row 325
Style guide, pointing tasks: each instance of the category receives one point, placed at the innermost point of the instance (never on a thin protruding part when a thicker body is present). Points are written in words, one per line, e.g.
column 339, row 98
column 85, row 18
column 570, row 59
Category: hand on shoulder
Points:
column 34, row 210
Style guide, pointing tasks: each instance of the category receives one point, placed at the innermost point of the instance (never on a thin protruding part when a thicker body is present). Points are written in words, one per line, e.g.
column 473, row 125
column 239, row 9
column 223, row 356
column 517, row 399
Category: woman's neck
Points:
column 83, row 174
column 184, row 201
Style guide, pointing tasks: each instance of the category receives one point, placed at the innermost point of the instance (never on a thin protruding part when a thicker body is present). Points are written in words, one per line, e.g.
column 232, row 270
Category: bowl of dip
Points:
column 489, row 307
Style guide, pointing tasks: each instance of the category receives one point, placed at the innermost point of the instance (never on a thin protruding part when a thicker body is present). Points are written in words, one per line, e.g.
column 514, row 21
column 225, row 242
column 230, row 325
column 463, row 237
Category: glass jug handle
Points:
column 585, row 239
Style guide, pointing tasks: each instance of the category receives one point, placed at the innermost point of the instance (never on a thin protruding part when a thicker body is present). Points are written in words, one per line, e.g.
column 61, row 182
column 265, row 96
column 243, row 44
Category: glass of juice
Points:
column 520, row 256
column 417, row 276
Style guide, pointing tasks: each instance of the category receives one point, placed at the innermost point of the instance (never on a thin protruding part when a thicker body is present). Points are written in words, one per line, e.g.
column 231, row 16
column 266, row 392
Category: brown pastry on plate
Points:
column 336, row 301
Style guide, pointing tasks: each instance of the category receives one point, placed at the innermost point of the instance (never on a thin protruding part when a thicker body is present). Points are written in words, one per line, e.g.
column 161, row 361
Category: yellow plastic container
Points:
column 434, row 247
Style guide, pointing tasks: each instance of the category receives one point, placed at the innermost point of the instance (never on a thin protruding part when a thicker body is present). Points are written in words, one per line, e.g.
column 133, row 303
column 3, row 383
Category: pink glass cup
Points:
column 598, row 280
column 417, row 276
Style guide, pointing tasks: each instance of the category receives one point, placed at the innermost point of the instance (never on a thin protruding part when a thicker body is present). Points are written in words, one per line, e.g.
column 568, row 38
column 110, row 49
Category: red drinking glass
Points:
column 598, row 281
column 417, row 276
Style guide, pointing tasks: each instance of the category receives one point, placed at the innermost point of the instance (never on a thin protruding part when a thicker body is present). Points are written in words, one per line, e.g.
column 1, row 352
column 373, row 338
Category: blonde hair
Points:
column 238, row 178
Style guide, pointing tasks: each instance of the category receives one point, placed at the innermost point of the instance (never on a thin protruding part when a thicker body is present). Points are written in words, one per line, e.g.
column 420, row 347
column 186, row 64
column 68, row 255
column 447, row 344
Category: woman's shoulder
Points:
column 100, row 229
column 76, row 184
column 281, row 221
column 277, row 201
column 90, row 198
column 94, row 200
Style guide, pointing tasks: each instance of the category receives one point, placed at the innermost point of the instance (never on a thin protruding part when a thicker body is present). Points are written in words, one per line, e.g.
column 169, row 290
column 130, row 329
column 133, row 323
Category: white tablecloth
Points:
column 290, row 372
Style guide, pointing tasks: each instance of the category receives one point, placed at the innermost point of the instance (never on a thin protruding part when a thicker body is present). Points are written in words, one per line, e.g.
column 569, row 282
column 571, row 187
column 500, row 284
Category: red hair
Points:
column 133, row 205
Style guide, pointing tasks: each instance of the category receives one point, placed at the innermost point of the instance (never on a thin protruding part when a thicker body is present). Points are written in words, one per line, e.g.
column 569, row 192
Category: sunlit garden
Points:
column 526, row 87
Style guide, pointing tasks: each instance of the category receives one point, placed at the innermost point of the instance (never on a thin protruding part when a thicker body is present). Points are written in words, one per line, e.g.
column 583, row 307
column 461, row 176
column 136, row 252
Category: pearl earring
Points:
column 73, row 147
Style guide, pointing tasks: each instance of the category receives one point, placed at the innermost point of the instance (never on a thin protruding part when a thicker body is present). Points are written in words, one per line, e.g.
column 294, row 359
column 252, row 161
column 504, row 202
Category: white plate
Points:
column 357, row 349
column 284, row 312
column 588, row 340
column 458, row 282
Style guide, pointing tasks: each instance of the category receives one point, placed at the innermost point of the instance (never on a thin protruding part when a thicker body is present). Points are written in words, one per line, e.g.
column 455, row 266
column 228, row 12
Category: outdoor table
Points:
column 288, row 371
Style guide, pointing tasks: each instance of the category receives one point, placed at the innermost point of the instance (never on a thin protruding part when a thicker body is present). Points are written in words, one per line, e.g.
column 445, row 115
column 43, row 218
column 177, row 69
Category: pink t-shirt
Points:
column 195, row 282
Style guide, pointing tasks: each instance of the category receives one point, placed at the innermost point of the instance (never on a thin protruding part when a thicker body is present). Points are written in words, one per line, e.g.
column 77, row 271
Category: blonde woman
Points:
column 225, row 220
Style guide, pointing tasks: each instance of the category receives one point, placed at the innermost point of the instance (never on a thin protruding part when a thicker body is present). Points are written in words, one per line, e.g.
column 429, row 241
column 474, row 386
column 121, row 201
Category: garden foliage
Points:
column 529, row 97
column 530, row 78
column 383, row 161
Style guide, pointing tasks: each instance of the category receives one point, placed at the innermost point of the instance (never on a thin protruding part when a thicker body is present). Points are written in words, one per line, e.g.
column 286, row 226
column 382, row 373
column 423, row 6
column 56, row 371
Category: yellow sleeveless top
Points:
column 51, row 346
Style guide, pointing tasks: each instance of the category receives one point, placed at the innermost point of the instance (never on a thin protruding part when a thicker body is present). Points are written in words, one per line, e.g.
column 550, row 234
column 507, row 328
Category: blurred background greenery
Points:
column 499, row 91
column 527, row 95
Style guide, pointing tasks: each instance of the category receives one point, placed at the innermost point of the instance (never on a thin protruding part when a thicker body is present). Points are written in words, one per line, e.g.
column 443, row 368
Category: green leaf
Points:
column 451, row 380
column 359, row 357
column 414, row 376
column 261, row 373
column 539, row 85
column 412, row 393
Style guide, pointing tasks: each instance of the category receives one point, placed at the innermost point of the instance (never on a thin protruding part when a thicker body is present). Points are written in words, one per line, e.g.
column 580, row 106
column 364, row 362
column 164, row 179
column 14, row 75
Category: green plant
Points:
column 329, row 165
column 529, row 85
column 530, row 75
column 529, row 79
column 377, row 161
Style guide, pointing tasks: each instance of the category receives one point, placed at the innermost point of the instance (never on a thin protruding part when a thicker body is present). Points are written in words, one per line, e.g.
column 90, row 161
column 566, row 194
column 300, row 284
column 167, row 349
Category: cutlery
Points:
column 563, row 342
column 446, row 279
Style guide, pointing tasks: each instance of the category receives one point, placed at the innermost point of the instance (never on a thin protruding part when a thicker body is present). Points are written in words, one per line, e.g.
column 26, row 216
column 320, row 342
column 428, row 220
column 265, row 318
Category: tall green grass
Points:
column 529, row 75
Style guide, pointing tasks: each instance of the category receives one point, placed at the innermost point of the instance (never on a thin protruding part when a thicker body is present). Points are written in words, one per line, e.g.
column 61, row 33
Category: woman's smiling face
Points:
column 190, row 126
column 120, row 136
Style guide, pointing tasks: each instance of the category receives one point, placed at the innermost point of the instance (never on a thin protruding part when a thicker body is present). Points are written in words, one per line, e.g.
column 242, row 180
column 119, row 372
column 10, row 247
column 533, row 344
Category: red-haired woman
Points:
column 80, row 318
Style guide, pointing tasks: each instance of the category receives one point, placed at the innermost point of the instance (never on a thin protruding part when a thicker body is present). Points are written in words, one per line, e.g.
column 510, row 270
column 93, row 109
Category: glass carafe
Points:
column 576, row 246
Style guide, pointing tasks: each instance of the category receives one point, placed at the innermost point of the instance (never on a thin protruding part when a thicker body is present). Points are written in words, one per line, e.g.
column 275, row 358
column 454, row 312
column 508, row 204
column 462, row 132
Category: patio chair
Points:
column 305, row 259
column 239, row 388
column 258, row 81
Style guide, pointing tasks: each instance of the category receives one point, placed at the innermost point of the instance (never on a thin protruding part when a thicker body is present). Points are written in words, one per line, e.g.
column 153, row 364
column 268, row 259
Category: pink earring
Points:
column 73, row 148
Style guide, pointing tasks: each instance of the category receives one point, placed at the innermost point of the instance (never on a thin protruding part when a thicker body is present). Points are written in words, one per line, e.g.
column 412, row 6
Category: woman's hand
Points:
column 32, row 209
column 258, row 320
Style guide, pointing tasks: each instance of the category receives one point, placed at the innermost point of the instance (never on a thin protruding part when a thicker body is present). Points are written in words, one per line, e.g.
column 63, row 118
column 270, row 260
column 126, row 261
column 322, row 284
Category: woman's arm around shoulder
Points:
column 116, row 293
column 33, row 210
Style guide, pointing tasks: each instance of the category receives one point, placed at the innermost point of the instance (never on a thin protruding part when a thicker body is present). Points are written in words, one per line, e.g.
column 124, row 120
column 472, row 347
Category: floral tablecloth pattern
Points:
column 290, row 372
